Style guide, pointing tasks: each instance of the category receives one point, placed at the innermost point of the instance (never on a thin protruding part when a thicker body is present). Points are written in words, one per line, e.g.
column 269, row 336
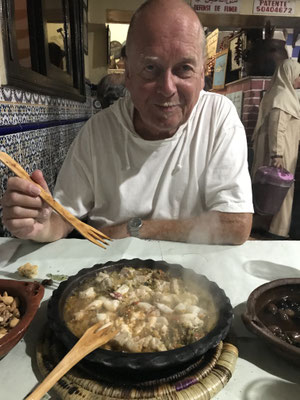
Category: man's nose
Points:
column 167, row 84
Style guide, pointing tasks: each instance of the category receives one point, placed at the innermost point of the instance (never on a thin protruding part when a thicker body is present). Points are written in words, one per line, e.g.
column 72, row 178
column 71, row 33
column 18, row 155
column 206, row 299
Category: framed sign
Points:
column 237, row 46
column 212, row 43
column 216, row 6
column 266, row 7
column 220, row 69
column 237, row 99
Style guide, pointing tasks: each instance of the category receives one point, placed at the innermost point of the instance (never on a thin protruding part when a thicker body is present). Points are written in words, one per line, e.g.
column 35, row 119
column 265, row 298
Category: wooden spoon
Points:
column 93, row 338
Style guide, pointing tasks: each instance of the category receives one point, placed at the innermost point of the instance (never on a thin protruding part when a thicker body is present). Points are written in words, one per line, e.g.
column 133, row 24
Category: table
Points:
column 259, row 373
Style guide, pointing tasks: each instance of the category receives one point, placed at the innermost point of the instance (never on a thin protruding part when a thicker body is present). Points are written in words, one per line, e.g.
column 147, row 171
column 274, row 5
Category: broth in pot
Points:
column 154, row 310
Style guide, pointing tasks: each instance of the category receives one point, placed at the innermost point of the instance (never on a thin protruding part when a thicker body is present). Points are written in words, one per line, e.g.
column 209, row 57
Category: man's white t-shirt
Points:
column 111, row 174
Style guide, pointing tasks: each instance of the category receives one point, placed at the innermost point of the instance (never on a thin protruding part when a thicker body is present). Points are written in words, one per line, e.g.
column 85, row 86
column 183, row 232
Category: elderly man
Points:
column 167, row 162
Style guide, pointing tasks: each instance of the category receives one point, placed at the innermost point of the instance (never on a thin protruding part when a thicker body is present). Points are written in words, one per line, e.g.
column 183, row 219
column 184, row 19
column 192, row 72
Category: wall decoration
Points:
column 220, row 69
column 212, row 43
column 237, row 47
column 237, row 99
column 267, row 7
column 216, row 6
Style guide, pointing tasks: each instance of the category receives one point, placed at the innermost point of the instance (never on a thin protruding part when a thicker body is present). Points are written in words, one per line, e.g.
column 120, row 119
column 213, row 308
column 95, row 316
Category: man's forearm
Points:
column 210, row 228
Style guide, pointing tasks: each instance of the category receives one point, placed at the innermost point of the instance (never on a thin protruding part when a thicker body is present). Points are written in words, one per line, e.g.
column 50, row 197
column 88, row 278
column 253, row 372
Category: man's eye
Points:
column 184, row 71
column 149, row 68
column 150, row 71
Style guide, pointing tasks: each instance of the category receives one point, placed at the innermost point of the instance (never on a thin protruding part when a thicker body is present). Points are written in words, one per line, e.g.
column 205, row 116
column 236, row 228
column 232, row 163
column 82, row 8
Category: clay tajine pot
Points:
column 256, row 320
column 30, row 295
column 140, row 367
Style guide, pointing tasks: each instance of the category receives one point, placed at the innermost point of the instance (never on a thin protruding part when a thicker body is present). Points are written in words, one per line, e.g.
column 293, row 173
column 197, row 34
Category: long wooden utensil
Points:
column 86, row 230
column 93, row 338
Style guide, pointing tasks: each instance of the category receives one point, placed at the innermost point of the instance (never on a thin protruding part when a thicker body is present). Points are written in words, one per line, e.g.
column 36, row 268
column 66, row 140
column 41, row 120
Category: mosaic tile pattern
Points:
column 43, row 148
column 18, row 107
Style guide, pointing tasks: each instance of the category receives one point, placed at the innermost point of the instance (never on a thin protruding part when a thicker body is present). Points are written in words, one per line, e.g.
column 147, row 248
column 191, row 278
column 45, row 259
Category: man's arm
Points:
column 212, row 227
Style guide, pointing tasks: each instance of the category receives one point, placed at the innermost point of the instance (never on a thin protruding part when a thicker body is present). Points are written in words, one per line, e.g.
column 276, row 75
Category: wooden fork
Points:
column 93, row 338
column 86, row 230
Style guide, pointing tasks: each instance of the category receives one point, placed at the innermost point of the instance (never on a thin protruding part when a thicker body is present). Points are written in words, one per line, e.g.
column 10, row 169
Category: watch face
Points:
column 135, row 222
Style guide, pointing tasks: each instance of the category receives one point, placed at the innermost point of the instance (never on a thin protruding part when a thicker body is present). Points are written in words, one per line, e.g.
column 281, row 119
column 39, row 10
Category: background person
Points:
column 56, row 55
column 170, row 154
column 276, row 137
column 110, row 88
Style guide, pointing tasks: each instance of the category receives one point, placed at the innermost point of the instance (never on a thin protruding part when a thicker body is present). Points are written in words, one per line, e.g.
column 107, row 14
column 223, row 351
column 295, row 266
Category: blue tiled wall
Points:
column 37, row 131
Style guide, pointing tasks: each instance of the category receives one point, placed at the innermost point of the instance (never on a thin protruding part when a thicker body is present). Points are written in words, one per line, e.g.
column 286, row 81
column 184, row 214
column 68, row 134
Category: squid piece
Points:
column 79, row 315
column 144, row 292
column 143, row 278
column 118, row 294
column 103, row 317
column 181, row 308
column 145, row 306
column 167, row 299
column 95, row 304
column 164, row 308
column 138, row 328
column 110, row 305
column 104, row 281
column 157, row 322
column 137, row 316
column 123, row 289
column 125, row 341
column 190, row 320
column 200, row 312
column 152, row 322
column 162, row 286
column 175, row 286
column 157, row 345
column 128, row 272
column 89, row 293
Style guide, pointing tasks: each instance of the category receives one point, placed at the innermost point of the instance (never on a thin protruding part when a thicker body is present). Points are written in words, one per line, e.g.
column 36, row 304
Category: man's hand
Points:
column 277, row 162
column 26, row 215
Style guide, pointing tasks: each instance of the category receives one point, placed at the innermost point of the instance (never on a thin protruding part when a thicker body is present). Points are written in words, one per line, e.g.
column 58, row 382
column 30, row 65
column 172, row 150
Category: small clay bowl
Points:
column 253, row 317
column 30, row 295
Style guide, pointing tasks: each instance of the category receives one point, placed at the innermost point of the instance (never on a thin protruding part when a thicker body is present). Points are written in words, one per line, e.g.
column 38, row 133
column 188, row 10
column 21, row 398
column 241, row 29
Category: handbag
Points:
column 270, row 186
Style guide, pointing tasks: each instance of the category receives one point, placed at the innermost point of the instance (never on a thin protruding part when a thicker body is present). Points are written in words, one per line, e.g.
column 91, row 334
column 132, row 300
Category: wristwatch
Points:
column 134, row 225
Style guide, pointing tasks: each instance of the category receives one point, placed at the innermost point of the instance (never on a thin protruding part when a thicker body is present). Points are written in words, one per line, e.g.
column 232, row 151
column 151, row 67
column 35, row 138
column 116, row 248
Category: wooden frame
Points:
column 220, row 70
column 232, row 47
column 85, row 26
column 118, row 16
column 43, row 77
column 107, row 45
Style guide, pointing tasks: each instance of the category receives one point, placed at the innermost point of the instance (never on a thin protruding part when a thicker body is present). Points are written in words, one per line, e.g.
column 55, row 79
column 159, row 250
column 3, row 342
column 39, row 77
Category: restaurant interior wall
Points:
column 36, row 129
column 98, row 11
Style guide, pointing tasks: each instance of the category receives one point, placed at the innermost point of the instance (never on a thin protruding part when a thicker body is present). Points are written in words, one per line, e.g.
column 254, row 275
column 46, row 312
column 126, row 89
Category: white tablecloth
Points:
column 259, row 373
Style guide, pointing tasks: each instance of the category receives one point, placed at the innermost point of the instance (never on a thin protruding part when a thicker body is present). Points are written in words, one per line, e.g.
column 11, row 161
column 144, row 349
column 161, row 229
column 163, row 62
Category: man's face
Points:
column 164, row 74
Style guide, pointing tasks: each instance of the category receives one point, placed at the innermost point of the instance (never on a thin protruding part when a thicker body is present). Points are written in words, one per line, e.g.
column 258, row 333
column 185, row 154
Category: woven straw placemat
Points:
column 202, row 382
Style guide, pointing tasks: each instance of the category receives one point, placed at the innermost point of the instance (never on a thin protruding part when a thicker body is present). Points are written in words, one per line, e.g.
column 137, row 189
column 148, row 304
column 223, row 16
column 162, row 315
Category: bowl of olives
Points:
column 273, row 314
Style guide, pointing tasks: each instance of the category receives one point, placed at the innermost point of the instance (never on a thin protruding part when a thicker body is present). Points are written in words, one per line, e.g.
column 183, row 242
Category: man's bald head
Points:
column 165, row 11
